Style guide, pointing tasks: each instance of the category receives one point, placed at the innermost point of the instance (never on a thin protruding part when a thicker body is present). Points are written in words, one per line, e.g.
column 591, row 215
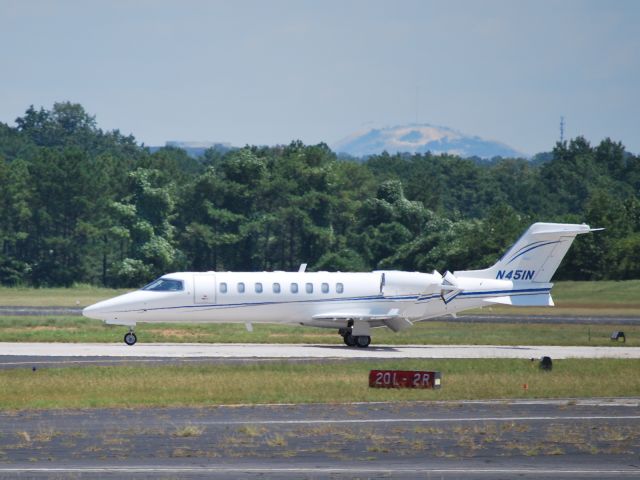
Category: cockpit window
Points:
column 165, row 285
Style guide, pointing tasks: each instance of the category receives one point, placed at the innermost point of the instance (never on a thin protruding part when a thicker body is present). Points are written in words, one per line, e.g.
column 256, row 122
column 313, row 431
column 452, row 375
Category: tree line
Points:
column 83, row 205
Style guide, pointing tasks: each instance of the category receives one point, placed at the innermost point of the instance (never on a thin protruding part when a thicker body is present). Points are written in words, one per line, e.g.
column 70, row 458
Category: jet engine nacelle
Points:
column 394, row 283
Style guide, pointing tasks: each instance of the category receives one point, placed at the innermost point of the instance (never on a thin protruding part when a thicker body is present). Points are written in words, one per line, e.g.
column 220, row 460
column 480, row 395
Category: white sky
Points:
column 267, row 72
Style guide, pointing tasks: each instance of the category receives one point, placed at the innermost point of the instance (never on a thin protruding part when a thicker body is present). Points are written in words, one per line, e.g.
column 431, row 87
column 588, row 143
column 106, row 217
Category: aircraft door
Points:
column 204, row 288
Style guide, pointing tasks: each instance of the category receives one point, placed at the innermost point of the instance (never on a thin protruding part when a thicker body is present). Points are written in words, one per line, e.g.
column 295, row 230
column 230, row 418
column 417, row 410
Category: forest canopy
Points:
column 83, row 205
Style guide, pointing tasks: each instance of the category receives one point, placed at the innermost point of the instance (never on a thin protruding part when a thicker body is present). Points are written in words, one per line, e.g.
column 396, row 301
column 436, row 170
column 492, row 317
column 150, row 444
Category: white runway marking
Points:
column 196, row 350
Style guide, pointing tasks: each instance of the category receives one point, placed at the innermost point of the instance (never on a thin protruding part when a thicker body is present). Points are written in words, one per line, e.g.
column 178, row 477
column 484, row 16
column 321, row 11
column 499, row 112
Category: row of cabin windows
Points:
column 275, row 287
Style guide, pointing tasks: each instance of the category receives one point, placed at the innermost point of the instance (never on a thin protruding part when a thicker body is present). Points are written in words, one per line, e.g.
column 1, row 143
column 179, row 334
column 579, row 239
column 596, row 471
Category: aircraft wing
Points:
column 357, row 315
column 390, row 318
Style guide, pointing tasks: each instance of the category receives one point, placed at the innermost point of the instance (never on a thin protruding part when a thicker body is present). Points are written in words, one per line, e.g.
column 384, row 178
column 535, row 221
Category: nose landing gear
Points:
column 130, row 338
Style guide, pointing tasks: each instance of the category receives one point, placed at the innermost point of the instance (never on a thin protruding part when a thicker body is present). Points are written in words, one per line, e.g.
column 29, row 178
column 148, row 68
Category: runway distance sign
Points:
column 404, row 379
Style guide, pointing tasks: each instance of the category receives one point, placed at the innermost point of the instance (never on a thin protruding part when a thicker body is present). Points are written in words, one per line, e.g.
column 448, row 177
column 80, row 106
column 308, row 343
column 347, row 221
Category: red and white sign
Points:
column 404, row 379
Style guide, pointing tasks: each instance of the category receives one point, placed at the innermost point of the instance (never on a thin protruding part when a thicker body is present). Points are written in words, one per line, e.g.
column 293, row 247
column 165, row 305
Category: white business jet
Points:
column 351, row 303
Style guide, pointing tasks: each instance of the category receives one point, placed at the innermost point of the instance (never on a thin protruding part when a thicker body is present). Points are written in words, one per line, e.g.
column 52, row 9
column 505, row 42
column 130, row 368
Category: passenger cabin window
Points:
column 240, row 287
column 223, row 287
column 339, row 288
column 309, row 287
column 276, row 288
column 258, row 287
column 325, row 288
column 164, row 285
column 294, row 288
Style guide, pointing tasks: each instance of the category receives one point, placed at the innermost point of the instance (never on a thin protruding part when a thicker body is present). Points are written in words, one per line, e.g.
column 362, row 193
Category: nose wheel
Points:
column 130, row 338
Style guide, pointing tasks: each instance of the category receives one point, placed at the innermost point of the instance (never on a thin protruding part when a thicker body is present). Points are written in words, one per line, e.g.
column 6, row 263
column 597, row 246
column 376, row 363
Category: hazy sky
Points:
column 267, row 72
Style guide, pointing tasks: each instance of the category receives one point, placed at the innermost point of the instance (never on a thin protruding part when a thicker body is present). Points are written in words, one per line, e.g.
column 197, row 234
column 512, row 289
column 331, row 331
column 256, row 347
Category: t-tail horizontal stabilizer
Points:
column 537, row 300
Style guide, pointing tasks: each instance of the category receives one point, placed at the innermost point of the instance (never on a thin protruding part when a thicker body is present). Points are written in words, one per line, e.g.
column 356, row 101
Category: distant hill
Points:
column 421, row 138
column 195, row 149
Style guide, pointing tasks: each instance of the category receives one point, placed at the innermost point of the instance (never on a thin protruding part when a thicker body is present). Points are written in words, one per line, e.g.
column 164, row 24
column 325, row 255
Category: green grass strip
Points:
column 77, row 296
column 77, row 329
column 283, row 382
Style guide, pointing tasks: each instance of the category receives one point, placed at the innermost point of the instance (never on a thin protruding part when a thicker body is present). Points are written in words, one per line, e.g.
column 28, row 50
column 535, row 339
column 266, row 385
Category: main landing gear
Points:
column 361, row 341
column 130, row 338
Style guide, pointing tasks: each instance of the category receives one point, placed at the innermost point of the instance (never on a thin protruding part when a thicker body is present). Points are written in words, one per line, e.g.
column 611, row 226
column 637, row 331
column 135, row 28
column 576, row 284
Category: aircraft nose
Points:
column 93, row 311
column 115, row 308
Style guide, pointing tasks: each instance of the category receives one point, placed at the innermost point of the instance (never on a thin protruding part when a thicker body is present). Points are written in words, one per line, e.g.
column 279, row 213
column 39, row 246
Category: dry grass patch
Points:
column 175, row 333
column 252, row 430
column 115, row 441
column 46, row 435
column 40, row 328
column 188, row 431
column 615, row 434
column 276, row 440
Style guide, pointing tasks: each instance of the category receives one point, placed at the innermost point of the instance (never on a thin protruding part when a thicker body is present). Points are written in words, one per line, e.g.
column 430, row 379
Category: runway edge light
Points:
column 546, row 363
column 615, row 336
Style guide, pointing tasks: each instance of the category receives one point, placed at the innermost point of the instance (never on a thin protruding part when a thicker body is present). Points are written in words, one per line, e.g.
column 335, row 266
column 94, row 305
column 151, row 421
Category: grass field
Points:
column 78, row 296
column 78, row 330
column 282, row 382
column 604, row 298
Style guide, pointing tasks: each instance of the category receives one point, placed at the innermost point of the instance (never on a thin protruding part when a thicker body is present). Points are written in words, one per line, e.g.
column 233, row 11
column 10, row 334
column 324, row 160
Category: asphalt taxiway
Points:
column 526, row 439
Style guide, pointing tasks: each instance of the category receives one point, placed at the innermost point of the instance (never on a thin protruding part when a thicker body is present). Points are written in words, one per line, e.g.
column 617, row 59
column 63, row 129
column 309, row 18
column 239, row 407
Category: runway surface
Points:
column 560, row 439
column 65, row 352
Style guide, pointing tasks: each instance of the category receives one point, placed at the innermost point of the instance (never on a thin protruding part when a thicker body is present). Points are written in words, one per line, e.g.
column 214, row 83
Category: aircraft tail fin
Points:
column 535, row 257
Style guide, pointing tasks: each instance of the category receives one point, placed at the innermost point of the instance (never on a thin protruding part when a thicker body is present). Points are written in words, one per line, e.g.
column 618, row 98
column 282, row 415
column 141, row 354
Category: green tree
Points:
column 67, row 199
column 143, row 224
column 389, row 221
column 15, row 220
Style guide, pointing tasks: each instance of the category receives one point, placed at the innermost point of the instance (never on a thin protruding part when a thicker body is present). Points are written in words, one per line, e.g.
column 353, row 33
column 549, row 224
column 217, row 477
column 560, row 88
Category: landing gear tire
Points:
column 363, row 341
column 130, row 338
column 349, row 340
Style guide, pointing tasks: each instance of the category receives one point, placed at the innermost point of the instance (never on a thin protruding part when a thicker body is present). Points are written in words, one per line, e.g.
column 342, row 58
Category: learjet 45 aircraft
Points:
column 351, row 303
